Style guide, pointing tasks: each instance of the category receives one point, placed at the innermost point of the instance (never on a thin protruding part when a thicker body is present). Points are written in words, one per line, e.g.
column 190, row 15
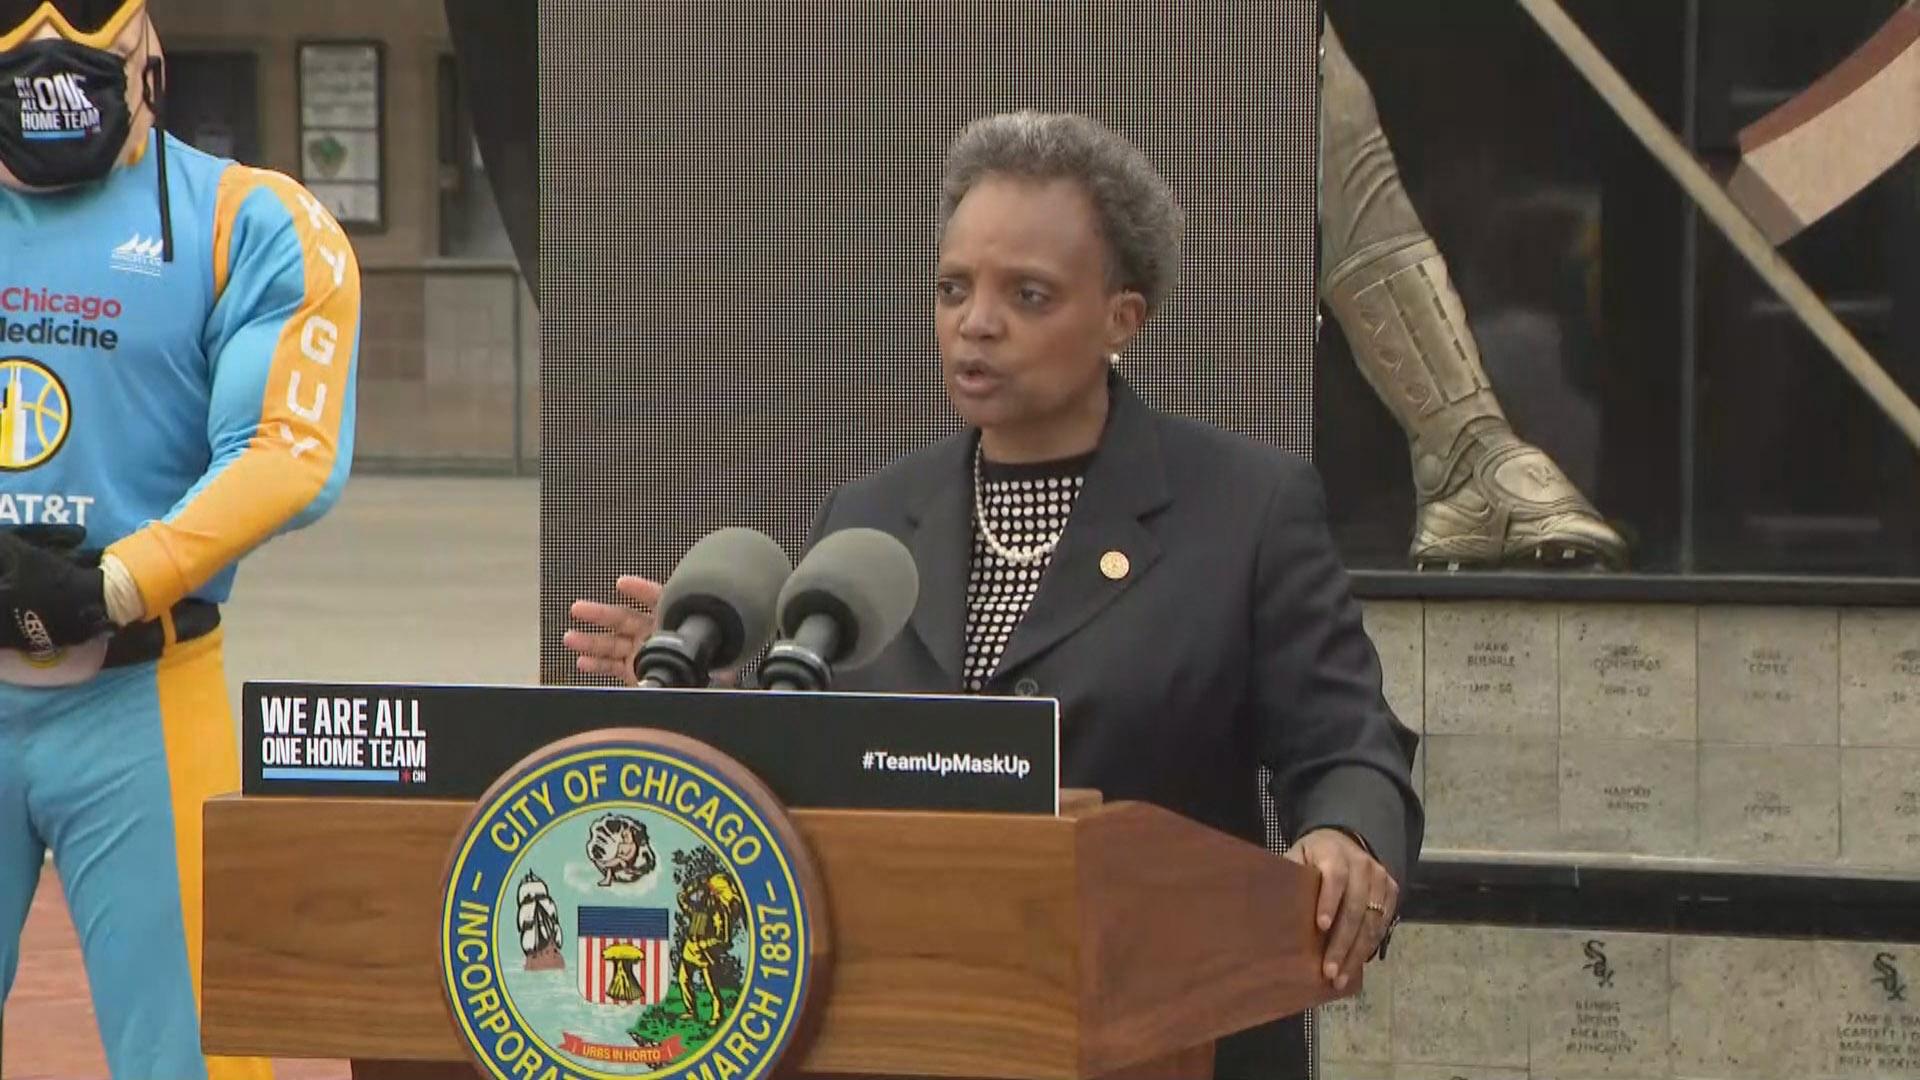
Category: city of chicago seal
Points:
column 629, row 903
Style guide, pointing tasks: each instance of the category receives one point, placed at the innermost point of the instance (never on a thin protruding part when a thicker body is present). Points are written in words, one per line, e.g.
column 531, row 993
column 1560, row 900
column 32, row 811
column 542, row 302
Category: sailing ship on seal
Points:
column 539, row 921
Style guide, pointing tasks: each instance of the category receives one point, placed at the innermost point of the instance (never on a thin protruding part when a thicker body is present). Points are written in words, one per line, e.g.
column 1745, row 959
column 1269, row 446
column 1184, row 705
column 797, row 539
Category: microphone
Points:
column 716, row 608
column 849, row 597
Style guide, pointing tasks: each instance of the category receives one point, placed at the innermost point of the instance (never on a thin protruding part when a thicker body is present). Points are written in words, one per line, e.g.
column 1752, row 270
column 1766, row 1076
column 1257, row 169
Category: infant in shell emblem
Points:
column 620, row 850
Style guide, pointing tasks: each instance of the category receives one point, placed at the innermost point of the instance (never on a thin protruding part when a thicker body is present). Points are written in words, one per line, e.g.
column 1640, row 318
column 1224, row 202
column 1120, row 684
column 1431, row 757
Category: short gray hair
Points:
column 1140, row 218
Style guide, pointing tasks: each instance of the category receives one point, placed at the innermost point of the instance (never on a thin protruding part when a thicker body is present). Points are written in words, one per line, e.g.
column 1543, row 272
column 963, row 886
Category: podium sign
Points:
column 830, row 751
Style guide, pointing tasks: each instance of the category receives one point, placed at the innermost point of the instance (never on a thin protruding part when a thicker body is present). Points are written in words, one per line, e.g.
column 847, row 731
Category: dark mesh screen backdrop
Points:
column 737, row 219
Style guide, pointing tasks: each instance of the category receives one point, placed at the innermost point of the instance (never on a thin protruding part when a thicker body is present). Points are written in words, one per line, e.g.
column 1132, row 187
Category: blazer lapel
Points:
column 1125, row 482
column 942, row 547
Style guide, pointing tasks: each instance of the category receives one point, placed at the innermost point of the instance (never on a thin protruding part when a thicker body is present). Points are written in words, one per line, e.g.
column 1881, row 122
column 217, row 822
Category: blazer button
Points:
column 1026, row 688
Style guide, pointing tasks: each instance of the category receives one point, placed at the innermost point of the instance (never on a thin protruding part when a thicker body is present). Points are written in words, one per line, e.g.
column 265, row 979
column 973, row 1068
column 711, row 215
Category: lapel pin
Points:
column 1114, row 565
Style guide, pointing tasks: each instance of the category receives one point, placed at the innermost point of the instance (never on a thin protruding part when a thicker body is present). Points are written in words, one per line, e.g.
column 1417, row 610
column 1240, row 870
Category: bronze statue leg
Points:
column 1484, row 497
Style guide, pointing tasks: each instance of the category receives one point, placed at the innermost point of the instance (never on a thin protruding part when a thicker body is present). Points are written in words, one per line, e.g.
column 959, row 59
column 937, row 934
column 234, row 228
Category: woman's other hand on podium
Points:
column 1358, row 899
column 619, row 629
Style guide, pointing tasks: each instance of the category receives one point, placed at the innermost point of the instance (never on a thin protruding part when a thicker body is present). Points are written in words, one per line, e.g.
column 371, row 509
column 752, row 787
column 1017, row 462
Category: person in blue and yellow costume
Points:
column 178, row 341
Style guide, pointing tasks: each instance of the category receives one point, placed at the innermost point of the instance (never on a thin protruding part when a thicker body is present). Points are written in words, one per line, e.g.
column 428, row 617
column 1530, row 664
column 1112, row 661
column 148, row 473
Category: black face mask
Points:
column 64, row 116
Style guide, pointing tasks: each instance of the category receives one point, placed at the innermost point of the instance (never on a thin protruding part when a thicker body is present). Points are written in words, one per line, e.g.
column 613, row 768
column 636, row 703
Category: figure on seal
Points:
column 619, row 848
column 712, row 907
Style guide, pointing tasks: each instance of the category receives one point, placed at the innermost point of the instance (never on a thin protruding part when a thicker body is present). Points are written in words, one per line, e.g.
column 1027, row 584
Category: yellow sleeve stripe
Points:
column 232, row 192
column 292, row 453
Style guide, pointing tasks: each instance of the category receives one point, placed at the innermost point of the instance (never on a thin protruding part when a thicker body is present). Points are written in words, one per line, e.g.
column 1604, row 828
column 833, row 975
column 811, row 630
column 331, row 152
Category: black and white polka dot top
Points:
column 1026, row 507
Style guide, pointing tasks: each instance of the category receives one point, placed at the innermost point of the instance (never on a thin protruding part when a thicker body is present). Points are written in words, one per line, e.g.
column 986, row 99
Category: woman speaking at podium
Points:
column 1173, row 585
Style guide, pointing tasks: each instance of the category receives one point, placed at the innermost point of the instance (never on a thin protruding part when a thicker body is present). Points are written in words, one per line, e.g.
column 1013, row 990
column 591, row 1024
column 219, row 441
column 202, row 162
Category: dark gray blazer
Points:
column 1231, row 641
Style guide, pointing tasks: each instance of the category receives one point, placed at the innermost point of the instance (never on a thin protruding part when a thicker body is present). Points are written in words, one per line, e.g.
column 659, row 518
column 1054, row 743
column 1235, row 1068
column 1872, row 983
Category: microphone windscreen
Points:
column 732, row 575
column 863, row 577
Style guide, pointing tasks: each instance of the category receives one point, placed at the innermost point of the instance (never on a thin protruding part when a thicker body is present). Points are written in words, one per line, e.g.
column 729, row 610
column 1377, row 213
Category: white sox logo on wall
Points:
column 629, row 903
column 35, row 414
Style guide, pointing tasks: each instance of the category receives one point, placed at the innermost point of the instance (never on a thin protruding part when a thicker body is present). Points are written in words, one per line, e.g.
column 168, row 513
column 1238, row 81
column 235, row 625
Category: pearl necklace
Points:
column 1017, row 556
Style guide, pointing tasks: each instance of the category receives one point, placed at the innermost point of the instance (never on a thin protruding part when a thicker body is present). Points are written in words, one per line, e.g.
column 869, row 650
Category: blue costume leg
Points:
column 126, row 770
column 21, row 850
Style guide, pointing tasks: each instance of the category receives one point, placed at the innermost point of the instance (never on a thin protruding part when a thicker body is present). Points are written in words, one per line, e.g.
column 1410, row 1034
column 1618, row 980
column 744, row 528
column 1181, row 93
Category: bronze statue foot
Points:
column 1506, row 504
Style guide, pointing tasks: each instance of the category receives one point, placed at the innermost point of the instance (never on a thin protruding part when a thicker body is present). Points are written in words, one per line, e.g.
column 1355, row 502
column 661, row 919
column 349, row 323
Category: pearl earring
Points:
column 1113, row 359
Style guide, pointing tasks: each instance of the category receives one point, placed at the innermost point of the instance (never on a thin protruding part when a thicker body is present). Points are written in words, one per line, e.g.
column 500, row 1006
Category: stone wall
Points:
column 1761, row 736
column 1683, row 746
column 1497, row 1003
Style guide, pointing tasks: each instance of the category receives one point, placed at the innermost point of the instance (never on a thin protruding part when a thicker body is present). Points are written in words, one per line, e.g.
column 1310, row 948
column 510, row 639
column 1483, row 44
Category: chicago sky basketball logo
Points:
column 627, row 904
column 34, row 414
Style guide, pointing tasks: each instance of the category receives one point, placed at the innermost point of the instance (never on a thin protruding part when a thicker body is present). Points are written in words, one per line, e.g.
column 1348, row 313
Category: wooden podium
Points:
column 1116, row 940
